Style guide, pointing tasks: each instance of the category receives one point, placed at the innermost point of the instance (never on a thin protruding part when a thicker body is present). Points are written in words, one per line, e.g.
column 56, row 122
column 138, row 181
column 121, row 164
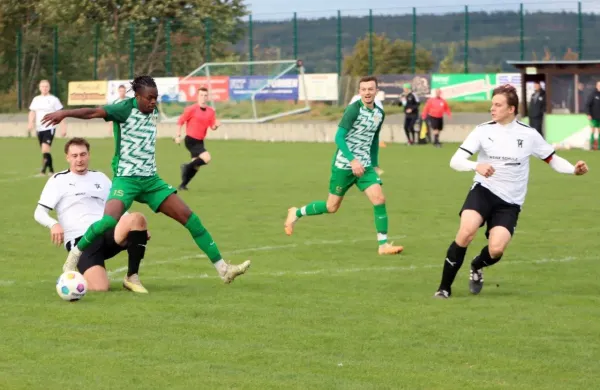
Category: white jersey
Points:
column 507, row 149
column 43, row 105
column 78, row 200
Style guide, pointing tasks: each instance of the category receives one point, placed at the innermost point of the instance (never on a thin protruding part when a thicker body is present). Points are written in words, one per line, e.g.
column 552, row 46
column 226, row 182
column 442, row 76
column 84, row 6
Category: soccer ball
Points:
column 71, row 286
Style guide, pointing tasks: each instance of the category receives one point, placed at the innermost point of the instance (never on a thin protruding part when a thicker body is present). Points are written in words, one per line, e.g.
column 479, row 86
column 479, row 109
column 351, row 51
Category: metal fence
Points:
column 482, row 38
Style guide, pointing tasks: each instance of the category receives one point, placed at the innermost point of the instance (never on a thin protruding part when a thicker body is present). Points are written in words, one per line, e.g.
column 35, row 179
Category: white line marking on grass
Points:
column 257, row 249
column 333, row 272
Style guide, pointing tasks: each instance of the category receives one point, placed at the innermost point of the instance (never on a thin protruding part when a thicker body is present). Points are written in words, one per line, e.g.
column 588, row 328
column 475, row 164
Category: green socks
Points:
column 203, row 238
column 381, row 223
column 96, row 230
column 314, row 208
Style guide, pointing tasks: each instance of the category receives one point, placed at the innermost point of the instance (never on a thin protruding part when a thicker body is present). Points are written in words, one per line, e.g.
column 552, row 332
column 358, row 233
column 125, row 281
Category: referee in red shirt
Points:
column 433, row 113
column 198, row 118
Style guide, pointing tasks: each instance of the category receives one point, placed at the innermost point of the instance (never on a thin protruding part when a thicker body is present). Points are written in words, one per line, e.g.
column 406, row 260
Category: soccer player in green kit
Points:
column 135, row 177
column 356, row 162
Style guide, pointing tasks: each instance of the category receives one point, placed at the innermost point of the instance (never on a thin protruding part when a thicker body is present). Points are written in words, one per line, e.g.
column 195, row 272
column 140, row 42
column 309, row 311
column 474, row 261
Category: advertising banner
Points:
column 392, row 85
column 465, row 87
column 319, row 87
column 218, row 88
column 87, row 93
column 112, row 93
column 283, row 88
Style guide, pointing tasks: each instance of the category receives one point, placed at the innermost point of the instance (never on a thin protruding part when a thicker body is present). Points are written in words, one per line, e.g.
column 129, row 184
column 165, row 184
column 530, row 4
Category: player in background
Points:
column 410, row 101
column 504, row 146
column 433, row 113
column 41, row 105
column 593, row 112
column 135, row 175
column 356, row 162
column 197, row 118
column 78, row 195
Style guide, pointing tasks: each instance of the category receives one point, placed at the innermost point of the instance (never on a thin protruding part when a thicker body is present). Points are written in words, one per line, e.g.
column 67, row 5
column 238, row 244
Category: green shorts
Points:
column 595, row 123
column 151, row 190
column 342, row 179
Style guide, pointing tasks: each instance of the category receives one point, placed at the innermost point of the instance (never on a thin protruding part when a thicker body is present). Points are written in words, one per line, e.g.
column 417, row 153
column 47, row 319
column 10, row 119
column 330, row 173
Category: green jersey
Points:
column 135, row 139
column 362, row 124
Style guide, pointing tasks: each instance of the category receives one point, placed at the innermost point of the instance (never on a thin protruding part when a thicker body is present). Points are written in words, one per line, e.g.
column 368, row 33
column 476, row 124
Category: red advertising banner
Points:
column 219, row 88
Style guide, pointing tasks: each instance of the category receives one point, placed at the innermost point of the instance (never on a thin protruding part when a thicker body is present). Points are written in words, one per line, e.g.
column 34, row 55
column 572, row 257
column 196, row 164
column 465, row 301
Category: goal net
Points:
column 243, row 92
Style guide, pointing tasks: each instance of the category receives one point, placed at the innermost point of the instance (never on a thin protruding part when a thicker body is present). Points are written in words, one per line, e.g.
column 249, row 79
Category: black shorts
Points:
column 46, row 136
column 195, row 146
column 103, row 248
column 495, row 211
column 435, row 123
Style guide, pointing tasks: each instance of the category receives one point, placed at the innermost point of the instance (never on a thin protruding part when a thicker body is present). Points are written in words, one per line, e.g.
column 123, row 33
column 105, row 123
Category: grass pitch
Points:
column 320, row 309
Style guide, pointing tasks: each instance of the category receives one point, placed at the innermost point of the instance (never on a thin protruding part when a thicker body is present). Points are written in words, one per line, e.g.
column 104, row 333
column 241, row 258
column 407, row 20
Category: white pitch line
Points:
column 257, row 249
column 333, row 272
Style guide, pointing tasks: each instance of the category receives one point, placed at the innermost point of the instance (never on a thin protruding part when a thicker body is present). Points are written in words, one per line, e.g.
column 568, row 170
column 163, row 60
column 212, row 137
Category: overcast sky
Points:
column 282, row 9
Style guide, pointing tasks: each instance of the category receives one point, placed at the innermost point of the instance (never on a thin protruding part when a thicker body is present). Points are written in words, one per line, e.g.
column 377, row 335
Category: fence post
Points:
column 295, row 32
column 208, row 32
column 339, row 43
column 522, row 32
column 169, row 48
column 250, row 44
column 579, row 31
column 131, row 49
column 370, row 41
column 96, row 39
column 466, row 55
column 20, row 68
column 413, row 55
column 55, row 61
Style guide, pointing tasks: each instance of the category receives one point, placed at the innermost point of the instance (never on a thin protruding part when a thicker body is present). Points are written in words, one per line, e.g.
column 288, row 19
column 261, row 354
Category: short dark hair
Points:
column 510, row 92
column 203, row 89
column 77, row 141
column 142, row 81
column 366, row 79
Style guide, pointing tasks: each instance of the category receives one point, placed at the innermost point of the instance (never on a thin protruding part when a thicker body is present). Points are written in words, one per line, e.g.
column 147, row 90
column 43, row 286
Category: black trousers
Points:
column 537, row 124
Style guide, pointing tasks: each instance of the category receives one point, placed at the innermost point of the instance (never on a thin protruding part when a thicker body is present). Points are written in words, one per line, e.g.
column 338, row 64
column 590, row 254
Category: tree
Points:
column 388, row 57
column 188, row 24
column 447, row 64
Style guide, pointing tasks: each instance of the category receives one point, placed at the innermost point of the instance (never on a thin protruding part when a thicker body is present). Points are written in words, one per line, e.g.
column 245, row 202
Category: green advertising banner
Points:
column 465, row 87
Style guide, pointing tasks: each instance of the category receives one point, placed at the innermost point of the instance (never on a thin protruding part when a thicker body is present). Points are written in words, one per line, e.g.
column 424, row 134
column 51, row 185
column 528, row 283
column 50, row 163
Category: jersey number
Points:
column 118, row 193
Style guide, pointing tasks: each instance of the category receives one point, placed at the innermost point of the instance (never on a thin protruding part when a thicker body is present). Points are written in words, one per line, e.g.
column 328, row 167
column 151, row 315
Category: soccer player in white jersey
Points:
column 43, row 104
column 504, row 146
column 355, row 163
column 78, row 195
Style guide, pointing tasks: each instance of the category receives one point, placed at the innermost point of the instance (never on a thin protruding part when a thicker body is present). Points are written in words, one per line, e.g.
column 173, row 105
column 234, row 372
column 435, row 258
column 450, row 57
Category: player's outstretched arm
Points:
column 561, row 165
column 79, row 113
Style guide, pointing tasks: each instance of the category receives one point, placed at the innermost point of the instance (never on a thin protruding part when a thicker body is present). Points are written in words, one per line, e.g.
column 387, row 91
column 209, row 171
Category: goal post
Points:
column 244, row 91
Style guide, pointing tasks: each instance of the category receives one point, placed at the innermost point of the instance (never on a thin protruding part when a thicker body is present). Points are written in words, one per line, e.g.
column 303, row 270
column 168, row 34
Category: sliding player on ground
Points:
column 504, row 146
column 78, row 195
column 356, row 162
column 135, row 175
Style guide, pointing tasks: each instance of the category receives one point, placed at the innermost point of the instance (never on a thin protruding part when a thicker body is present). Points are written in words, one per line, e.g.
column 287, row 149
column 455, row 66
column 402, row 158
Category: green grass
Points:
column 318, row 310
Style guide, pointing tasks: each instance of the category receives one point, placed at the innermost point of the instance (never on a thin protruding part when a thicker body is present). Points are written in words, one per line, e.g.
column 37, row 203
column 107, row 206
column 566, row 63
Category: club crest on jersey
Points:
column 520, row 143
column 377, row 118
column 97, row 186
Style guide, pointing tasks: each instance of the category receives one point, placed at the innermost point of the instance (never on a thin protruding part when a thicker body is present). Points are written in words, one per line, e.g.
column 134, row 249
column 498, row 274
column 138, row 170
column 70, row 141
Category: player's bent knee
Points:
column 496, row 251
column 333, row 207
column 138, row 221
column 97, row 279
column 205, row 157
column 465, row 236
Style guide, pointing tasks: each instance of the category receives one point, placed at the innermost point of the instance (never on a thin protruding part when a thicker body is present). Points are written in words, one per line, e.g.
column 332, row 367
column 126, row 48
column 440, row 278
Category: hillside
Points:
column 493, row 37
